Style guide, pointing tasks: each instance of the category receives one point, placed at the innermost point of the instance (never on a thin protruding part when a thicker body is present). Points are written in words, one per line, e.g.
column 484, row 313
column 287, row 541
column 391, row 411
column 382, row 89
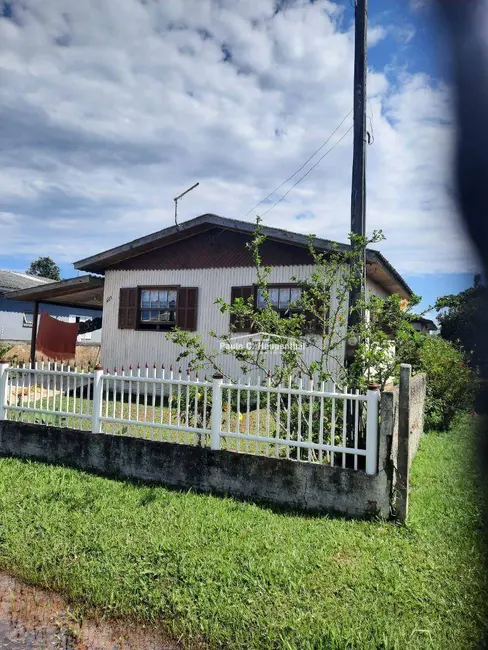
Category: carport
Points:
column 85, row 291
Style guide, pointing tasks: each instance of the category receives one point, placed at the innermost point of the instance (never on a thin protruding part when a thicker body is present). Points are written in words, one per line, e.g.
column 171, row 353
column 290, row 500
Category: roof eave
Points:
column 98, row 263
column 374, row 255
column 60, row 292
column 102, row 261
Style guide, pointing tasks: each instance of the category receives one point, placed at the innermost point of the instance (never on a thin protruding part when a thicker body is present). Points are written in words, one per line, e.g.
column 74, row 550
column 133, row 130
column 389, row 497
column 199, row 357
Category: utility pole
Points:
column 358, row 190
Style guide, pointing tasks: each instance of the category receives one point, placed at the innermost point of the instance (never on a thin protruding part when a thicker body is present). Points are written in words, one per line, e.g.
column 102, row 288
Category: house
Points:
column 424, row 325
column 16, row 316
column 174, row 276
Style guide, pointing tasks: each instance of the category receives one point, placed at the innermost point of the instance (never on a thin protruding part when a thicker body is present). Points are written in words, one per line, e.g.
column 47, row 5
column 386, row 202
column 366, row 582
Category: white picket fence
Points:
column 299, row 421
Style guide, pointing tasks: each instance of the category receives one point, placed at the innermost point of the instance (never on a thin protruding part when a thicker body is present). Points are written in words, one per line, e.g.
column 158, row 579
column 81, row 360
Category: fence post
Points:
column 97, row 399
column 3, row 387
column 403, row 454
column 216, row 415
column 373, row 397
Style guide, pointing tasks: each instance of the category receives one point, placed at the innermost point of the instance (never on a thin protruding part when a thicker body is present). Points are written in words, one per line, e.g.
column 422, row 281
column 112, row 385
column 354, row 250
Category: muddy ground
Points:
column 36, row 619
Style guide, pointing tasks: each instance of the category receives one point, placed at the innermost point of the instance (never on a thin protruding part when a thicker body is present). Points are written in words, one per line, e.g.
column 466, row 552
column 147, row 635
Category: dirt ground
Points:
column 34, row 619
column 85, row 354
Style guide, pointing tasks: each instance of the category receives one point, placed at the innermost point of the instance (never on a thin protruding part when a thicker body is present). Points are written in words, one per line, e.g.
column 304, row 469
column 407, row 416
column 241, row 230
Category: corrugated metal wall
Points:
column 12, row 322
column 124, row 347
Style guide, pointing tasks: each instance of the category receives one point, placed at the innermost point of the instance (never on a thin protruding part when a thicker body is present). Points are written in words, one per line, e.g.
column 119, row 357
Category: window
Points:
column 282, row 299
column 157, row 308
column 27, row 319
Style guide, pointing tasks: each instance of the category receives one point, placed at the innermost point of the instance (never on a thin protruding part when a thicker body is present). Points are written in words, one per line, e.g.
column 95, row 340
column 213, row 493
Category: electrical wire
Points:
column 371, row 137
column 300, row 169
column 307, row 172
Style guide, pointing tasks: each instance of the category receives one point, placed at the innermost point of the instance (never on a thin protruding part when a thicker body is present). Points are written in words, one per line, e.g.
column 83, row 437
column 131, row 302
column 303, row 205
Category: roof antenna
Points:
column 177, row 198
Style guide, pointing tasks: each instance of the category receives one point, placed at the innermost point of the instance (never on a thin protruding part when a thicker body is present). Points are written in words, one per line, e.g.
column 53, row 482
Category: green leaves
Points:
column 450, row 382
column 463, row 317
column 316, row 320
column 46, row 268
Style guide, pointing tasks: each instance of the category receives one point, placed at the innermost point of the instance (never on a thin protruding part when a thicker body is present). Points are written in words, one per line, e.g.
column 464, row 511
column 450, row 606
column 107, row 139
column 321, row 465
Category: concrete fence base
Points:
column 406, row 404
column 305, row 486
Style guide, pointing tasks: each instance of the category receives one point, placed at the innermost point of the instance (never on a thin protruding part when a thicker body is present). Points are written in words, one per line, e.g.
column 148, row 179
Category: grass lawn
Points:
column 237, row 575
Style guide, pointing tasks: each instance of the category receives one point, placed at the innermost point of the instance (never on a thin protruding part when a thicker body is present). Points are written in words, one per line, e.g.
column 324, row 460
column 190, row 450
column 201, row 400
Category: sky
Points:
column 110, row 109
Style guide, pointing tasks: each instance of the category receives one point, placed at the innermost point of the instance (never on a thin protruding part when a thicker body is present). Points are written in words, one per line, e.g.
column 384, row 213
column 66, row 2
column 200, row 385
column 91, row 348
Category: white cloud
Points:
column 376, row 34
column 109, row 109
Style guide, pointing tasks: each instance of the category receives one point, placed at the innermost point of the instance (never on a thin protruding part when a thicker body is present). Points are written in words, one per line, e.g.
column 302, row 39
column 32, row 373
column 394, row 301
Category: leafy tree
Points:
column 450, row 382
column 45, row 267
column 462, row 317
column 463, row 322
column 317, row 319
column 387, row 339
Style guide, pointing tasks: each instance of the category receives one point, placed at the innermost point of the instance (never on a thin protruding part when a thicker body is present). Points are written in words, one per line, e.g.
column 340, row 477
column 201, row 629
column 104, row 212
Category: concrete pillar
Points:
column 403, row 464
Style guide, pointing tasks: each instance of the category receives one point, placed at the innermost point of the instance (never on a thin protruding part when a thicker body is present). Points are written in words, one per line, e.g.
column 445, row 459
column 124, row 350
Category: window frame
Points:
column 313, row 329
column 285, row 285
column 155, row 327
column 277, row 285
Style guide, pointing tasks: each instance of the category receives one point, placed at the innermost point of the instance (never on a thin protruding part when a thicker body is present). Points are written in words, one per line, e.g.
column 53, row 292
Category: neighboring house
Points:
column 174, row 276
column 16, row 316
column 424, row 325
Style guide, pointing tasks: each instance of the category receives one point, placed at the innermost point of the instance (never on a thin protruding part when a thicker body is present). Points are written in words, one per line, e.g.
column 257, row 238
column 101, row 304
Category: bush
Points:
column 4, row 348
column 450, row 382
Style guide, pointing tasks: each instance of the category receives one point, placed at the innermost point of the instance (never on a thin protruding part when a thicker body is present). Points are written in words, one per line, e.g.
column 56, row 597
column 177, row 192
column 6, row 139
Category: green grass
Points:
column 148, row 414
column 236, row 575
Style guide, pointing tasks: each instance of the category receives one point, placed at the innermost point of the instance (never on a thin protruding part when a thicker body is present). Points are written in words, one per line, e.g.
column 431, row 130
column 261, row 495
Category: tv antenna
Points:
column 177, row 198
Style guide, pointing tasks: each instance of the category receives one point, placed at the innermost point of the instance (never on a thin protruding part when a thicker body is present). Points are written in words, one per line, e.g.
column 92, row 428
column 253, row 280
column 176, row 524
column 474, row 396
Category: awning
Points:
column 85, row 291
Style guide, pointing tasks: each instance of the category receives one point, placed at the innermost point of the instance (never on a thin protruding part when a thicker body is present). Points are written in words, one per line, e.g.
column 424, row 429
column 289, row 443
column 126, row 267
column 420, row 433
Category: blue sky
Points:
column 108, row 110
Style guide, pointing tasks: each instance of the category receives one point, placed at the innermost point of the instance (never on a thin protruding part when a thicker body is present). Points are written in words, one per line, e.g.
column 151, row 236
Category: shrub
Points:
column 450, row 382
column 4, row 348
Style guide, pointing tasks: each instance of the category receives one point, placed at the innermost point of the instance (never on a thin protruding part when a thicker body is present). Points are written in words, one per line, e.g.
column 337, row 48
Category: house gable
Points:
column 215, row 248
column 210, row 241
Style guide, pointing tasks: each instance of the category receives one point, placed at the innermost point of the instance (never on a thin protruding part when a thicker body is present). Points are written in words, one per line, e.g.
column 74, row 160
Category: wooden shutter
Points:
column 240, row 324
column 128, row 308
column 186, row 308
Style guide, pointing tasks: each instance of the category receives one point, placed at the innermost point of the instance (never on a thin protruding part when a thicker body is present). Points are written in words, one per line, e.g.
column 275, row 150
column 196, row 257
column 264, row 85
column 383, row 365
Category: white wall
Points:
column 124, row 347
column 375, row 289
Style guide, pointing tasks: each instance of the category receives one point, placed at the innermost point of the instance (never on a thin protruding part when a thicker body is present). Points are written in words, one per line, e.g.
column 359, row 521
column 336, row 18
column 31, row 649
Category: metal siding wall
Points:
column 11, row 327
column 375, row 289
column 124, row 347
column 11, row 318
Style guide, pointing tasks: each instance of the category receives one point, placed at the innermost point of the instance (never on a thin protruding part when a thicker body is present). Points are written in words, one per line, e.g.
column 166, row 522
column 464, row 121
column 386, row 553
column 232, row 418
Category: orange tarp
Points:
column 56, row 338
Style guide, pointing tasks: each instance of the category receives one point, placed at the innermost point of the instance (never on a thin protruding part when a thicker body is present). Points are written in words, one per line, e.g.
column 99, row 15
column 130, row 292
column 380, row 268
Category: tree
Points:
column 462, row 317
column 317, row 318
column 45, row 267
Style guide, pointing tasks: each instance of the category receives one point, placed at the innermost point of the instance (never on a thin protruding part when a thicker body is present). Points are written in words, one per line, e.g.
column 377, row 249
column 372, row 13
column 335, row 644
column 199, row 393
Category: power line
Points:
column 307, row 172
column 371, row 137
column 300, row 169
